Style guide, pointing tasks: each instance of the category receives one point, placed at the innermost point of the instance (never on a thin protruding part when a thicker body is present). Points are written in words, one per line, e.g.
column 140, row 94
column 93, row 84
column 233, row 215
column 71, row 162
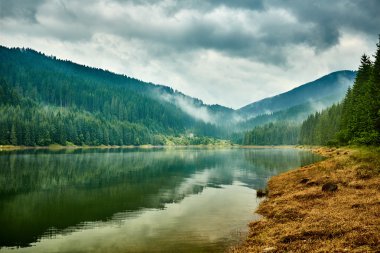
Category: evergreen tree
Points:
column 343, row 135
column 360, row 121
column 13, row 137
column 279, row 133
column 374, row 92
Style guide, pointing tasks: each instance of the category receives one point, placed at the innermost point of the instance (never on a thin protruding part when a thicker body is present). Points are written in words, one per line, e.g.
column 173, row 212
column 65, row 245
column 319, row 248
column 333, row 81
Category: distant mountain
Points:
column 329, row 89
column 294, row 115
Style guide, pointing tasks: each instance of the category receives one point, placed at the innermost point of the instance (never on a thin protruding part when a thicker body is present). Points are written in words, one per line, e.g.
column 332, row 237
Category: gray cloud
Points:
column 253, row 29
column 330, row 17
column 20, row 9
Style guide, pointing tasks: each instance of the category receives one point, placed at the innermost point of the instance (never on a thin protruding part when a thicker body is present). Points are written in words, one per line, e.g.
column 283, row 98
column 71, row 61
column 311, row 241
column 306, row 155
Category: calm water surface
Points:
column 160, row 200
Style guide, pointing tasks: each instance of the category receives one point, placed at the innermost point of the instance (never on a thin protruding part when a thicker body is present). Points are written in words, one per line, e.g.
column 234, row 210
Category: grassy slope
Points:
column 300, row 217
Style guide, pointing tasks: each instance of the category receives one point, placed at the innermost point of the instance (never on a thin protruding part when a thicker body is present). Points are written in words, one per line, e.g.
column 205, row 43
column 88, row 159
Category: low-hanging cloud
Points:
column 187, row 105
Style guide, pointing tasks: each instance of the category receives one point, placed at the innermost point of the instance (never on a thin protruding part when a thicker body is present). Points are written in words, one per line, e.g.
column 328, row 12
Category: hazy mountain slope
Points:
column 295, row 114
column 44, row 100
column 333, row 85
column 18, row 63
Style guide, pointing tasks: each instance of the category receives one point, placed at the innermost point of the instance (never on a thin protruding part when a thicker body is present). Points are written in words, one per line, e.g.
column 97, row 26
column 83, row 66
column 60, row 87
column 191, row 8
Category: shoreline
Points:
column 5, row 148
column 147, row 146
column 298, row 216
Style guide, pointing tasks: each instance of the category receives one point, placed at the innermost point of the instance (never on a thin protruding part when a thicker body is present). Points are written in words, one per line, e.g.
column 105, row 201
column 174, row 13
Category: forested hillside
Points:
column 44, row 100
column 357, row 118
column 290, row 109
column 296, row 115
column 279, row 133
column 282, row 127
column 329, row 89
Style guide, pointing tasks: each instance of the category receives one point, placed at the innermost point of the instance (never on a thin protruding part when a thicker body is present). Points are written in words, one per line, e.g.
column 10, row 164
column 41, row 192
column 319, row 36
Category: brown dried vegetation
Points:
column 300, row 217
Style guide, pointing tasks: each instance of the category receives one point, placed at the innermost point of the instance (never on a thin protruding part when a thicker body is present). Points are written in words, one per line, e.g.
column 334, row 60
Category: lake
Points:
column 134, row 200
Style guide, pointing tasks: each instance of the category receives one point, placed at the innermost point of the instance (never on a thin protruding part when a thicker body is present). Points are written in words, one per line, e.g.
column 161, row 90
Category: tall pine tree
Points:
column 375, row 91
column 360, row 122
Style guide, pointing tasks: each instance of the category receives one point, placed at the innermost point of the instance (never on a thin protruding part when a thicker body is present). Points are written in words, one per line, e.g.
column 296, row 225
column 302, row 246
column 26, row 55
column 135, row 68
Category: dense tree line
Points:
column 278, row 133
column 44, row 101
column 357, row 118
column 46, row 125
column 321, row 128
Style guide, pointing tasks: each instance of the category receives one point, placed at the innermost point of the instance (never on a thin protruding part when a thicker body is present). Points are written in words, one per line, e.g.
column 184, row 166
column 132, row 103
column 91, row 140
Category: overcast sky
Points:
column 226, row 52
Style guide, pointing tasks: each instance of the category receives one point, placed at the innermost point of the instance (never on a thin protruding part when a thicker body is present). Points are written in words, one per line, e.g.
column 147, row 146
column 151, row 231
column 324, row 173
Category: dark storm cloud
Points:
column 19, row 9
column 360, row 15
column 330, row 17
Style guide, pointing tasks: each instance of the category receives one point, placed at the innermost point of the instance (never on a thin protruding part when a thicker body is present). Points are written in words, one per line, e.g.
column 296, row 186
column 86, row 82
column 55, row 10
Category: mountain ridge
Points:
column 334, row 83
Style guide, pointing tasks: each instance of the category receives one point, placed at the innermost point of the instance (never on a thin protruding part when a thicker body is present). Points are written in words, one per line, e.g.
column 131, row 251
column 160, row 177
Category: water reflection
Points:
column 133, row 200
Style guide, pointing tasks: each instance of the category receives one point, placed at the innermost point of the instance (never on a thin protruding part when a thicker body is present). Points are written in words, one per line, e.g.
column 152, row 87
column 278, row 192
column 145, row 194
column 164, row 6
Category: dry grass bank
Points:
column 300, row 217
